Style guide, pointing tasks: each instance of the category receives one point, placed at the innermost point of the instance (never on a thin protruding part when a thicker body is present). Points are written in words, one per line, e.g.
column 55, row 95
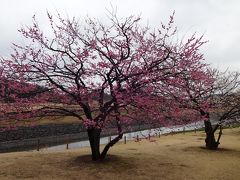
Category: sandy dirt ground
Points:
column 180, row 156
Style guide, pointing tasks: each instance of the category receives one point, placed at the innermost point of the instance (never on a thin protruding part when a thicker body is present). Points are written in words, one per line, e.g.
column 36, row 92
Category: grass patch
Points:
column 178, row 156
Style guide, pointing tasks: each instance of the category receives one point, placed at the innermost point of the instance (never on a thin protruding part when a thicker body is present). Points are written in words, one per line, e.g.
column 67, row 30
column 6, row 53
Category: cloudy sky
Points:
column 218, row 20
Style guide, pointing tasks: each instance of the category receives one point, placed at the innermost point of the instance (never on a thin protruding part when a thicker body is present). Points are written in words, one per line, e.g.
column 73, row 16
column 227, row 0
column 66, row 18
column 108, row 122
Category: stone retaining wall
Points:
column 22, row 133
column 27, row 138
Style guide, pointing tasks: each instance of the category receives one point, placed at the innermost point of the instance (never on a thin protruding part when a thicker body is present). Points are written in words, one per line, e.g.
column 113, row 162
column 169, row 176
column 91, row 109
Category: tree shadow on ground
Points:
column 110, row 164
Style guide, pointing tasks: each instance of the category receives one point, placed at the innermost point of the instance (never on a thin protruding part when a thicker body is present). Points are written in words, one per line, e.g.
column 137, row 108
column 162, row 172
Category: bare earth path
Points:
column 169, row 157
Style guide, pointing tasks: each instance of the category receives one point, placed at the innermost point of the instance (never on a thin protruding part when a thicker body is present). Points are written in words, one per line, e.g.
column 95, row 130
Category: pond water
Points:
column 129, row 136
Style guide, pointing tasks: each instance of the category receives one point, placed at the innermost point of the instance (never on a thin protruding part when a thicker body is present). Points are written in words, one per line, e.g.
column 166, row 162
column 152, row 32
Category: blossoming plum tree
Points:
column 224, row 105
column 78, row 64
column 213, row 94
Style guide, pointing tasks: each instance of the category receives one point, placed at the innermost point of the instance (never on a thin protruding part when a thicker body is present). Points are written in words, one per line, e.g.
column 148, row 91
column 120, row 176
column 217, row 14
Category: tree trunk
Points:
column 110, row 144
column 210, row 140
column 94, row 139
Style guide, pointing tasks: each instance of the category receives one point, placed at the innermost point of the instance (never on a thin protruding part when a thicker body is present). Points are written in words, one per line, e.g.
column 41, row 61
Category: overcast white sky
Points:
column 218, row 20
